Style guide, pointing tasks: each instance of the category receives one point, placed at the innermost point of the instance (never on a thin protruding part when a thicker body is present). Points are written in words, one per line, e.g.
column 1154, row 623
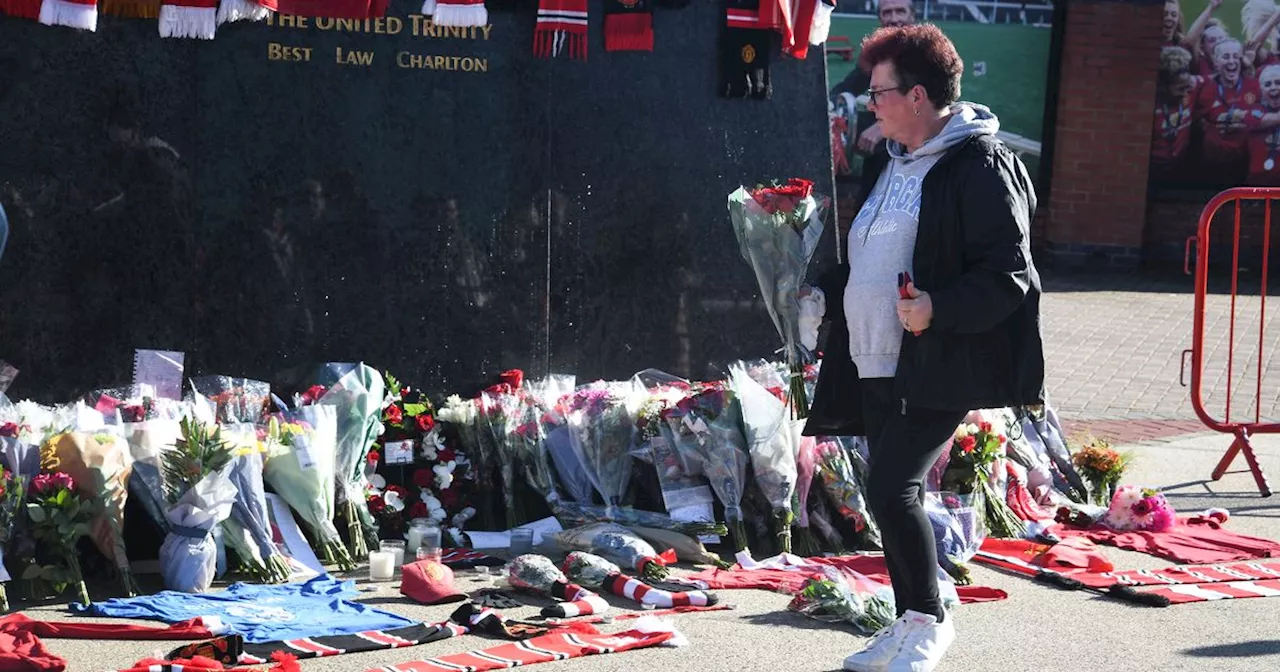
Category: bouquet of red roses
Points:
column 975, row 449
column 778, row 229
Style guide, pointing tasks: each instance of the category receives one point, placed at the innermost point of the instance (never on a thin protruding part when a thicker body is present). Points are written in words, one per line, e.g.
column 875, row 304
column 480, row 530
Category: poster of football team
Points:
column 1217, row 108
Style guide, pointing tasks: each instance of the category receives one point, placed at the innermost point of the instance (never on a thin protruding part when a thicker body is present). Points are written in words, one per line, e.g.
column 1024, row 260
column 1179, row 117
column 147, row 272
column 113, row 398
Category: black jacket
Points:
column 972, row 255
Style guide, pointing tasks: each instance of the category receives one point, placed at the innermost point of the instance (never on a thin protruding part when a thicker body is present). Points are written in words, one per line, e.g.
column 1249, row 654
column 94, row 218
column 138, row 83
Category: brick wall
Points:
column 1098, row 198
column 1172, row 218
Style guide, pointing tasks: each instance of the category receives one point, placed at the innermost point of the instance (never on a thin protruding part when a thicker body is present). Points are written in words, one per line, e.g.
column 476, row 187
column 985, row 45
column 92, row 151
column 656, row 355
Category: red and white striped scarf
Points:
column 577, row 601
column 196, row 19
column 544, row 649
column 1184, row 575
column 82, row 14
column 635, row 589
column 561, row 22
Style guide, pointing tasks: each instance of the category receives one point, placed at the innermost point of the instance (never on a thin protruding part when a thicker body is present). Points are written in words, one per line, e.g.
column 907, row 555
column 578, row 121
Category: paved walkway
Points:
column 1115, row 347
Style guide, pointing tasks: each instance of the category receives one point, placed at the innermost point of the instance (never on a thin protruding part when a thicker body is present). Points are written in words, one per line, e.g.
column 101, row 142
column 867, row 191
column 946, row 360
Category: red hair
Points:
column 920, row 54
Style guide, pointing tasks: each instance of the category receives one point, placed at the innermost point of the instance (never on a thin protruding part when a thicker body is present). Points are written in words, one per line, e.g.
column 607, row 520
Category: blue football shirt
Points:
column 258, row 612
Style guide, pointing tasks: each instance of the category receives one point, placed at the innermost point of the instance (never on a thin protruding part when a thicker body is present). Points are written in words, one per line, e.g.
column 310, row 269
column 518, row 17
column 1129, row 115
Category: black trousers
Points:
column 904, row 446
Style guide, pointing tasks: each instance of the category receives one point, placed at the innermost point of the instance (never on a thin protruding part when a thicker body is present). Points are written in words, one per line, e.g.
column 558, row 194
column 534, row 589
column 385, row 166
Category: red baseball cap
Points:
column 429, row 582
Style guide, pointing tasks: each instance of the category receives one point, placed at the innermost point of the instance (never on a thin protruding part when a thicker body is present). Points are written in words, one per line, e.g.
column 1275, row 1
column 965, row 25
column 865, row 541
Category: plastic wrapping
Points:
column 706, row 430
column 101, row 464
column 234, row 399
column 357, row 397
column 601, row 420
column 188, row 557
column 773, row 441
column 616, row 544
column 300, row 468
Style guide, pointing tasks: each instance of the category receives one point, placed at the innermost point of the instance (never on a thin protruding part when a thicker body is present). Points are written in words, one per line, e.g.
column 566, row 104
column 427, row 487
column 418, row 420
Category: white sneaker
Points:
column 924, row 641
column 880, row 649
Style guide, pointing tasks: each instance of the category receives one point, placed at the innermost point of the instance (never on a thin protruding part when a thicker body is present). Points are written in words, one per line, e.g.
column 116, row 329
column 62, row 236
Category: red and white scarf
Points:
column 544, row 649
column 82, row 14
column 577, row 601
column 457, row 12
column 635, row 589
column 561, row 22
column 195, row 19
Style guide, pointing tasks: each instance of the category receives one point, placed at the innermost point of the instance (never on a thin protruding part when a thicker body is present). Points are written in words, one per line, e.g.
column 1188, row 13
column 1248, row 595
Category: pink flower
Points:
column 9, row 430
column 1163, row 519
column 1142, row 507
column 51, row 483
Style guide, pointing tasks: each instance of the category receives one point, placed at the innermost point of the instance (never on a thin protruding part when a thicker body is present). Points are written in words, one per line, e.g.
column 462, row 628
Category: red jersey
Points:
column 1264, row 158
column 1216, row 100
column 1172, row 131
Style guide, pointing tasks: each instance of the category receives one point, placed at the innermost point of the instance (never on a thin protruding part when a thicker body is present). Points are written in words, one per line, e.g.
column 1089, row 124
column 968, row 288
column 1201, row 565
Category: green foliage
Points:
column 198, row 453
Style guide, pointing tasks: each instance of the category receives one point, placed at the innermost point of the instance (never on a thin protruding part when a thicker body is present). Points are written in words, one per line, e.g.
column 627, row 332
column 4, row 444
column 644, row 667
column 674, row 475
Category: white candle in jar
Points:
column 381, row 565
column 415, row 539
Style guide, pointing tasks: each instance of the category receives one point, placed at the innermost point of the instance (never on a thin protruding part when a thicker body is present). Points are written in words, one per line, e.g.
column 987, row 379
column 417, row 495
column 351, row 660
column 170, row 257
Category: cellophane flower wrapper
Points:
column 234, row 400
column 303, row 473
column 706, row 430
column 536, row 573
column 573, row 514
column 101, row 464
column 959, row 528
column 588, row 570
column 538, row 415
column 601, row 421
column 845, row 596
column 844, row 486
column 248, row 529
column 619, row 545
column 779, row 245
column 147, row 439
column 501, row 413
column 773, row 441
column 188, row 557
column 464, row 416
column 680, row 490
column 357, row 398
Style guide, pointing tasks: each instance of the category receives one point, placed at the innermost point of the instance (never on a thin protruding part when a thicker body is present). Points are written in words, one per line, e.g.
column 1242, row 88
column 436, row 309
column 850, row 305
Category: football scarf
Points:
column 628, row 25
column 82, row 14
column 544, row 649
column 480, row 620
column 233, row 650
column 577, row 601
column 465, row 558
column 561, row 22
column 195, row 19
column 744, row 52
column 635, row 589
column 457, row 12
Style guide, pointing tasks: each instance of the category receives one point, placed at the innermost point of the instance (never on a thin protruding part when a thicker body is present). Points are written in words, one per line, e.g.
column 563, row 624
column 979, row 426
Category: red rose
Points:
column 446, row 454
column 394, row 415
column 134, row 413
column 985, row 427
column 377, row 504
column 419, row 510
column 426, row 422
column 374, row 456
column 9, row 430
column 423, row 478
column 312, row 395
column 514, row 378
column 968, row 444
column 448, row 498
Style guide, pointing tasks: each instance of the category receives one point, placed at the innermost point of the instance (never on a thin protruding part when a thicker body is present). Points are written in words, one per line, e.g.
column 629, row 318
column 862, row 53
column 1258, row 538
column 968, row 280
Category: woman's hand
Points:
column 915, row 313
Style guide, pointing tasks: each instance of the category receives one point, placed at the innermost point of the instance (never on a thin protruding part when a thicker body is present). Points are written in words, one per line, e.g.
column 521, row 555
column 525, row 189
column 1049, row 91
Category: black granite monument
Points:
column 435, row 202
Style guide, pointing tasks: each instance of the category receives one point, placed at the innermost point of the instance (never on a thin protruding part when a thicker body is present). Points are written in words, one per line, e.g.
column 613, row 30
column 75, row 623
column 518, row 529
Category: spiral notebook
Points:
column 159, row 373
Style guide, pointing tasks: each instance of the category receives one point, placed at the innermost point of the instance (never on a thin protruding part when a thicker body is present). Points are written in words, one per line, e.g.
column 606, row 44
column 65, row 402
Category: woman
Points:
column 1222, row 108
column 1264, row 140
column 1176, row 92
column 952, row 205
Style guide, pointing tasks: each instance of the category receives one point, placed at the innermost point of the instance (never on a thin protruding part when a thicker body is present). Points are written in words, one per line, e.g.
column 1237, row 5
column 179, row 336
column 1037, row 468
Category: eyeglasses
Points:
column 875, row 92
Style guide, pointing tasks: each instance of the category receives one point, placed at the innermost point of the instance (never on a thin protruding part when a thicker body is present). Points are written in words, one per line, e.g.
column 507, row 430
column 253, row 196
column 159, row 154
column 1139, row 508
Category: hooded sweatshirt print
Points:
column 883, row 237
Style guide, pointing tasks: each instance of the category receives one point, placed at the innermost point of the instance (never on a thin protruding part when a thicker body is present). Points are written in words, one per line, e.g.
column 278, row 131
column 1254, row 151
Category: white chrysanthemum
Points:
column 444, row 474
column 393, row 500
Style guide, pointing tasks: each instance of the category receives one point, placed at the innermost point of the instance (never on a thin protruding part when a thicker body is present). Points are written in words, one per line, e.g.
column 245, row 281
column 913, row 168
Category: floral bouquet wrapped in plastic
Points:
column 778, row 229
column 846, row 596
column 618, row 545
column 247, row 531
column 199, row 496
column 706, row 430
column 300, row 467
column 975, row 449
column 601, row 422
column 1144, row 509
column 538, row 574
column 773, row 441
column 59, row 517
column 842, row 481
column 357, row 398
column 1102, row 468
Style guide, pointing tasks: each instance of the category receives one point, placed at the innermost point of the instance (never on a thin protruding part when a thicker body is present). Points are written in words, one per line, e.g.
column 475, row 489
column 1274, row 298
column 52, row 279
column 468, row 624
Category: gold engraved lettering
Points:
column 281, row 52
column 405, row 59
column 324, row 23
column 353, row 57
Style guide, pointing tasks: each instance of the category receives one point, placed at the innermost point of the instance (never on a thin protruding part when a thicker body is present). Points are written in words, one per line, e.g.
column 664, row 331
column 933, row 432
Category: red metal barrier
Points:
column 1241, row 429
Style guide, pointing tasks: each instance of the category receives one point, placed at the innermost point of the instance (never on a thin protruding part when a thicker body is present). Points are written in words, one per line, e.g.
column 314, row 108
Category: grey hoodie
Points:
column 883, row 237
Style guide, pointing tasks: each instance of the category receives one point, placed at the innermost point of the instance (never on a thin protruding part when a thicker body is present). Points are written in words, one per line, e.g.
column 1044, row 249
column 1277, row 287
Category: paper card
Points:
column 303, row 451
column 398, row 452
column 491, row 540
column 284, row 529
column 695, row 513
column 159, row 370
column 7, row 373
